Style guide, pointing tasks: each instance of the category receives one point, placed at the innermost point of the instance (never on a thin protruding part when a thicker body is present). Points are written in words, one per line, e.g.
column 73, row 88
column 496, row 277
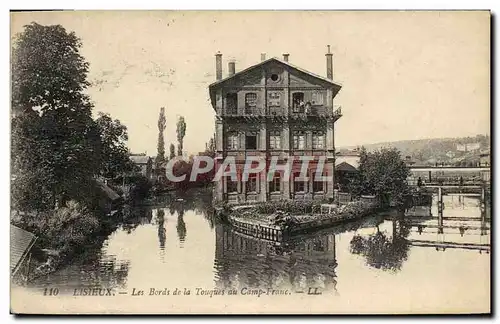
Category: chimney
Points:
column 231, row 67
column 285, row 57
column 262, row 56
column 329, row 64
column 218, row 66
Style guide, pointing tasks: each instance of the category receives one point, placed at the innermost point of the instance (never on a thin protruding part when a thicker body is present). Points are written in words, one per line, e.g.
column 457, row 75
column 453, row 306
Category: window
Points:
column 232, row 104
column 274, row 99
column 318, row 140
column 275, row 184
column 275, row 140
column 298, row 185
column 251, row 141
column 252, row 183
column 275, row 77
column 232, row 141
column 250, row 103
column 317, row 98
column 298, row 102
column 299, row 140
column 317, row 184
column 232, row 186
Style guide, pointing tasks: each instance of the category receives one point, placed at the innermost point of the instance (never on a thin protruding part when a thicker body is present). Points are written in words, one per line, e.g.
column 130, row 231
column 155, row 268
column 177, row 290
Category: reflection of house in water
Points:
column 241, row 261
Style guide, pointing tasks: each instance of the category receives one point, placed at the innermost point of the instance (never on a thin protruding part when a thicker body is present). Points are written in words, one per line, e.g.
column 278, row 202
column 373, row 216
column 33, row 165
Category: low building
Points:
column 21, row 242
column 346, row 165
column 484, row 158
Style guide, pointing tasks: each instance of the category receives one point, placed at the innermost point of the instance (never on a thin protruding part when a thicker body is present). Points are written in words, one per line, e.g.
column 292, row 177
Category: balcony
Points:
column 254, row 113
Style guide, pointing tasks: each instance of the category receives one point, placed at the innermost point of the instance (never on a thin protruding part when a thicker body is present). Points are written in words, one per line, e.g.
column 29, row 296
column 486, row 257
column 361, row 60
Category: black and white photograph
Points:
column 250, row 162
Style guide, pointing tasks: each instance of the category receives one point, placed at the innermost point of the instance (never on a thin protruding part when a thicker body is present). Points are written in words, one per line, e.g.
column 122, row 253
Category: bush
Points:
column 71, row 227
column 293, row 207
column 140, row 189
column 66, row 229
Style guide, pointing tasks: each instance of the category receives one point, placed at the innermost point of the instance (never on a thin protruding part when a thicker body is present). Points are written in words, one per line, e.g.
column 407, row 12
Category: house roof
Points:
column 334, row 85
column 140, row 159
column 110, row 193
column 275, row 59
column 21, row 242
column 344, row 166
column 347, row 162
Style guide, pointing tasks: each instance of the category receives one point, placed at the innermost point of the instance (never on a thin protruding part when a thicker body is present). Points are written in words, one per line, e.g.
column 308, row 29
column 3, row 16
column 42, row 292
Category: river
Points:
column 381, row 264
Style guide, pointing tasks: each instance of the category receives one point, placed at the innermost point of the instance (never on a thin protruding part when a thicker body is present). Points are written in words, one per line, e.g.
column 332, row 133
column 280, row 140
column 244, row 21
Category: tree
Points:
column 181, row 132
column 210, row 147
column 115, row 159
column 55, row 142
column 160, row 157
column 172, row 151
column 382, row 173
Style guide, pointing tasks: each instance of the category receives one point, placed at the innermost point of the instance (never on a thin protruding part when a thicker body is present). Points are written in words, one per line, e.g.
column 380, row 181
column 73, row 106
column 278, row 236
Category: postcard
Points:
column 250, row 162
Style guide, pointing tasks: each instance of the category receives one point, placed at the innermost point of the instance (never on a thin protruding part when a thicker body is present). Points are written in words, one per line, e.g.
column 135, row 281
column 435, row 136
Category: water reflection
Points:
column 162, row 232
column 343, row 260
column 242, row 261
column 380, row 250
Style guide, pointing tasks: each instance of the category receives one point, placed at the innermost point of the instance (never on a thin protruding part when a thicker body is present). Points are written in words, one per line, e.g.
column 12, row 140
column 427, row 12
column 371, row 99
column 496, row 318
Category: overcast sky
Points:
column 405, row 75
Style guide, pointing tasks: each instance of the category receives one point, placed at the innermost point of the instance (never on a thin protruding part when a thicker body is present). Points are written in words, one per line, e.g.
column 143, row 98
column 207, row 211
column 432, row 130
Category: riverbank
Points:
column 62, row 235
column 276, row 220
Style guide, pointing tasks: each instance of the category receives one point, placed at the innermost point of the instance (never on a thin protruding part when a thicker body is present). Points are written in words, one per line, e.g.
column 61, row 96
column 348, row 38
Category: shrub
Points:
column 71, row 227
column 293, row 207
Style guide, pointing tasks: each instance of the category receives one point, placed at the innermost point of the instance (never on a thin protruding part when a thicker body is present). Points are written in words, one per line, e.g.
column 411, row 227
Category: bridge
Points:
column 450, row 175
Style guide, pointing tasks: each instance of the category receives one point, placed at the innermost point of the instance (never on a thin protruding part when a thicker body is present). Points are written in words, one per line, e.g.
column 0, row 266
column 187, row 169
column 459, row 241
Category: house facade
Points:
column 274, row 110
column 144, row 164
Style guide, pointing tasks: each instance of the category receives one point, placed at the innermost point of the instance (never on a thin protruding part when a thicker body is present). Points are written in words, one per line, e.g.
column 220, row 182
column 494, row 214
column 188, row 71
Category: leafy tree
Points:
column 160, row 157
column 114, row 152
column 382, row 173
column 55, row 142
column 181, row 132
column 172, row 151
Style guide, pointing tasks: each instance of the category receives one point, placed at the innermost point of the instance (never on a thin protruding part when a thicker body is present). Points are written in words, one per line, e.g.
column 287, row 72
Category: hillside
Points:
column 430, row 151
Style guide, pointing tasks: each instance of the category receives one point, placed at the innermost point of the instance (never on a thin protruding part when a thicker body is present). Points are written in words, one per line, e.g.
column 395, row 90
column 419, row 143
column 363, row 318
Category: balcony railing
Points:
column 320, row 111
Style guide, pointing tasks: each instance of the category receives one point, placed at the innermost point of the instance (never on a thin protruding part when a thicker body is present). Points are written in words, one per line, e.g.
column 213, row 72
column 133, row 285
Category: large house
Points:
column 274, row 109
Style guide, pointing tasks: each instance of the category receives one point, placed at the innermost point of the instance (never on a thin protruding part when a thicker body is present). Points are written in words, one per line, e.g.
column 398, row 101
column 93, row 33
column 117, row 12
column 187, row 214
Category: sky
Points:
column 404, row 75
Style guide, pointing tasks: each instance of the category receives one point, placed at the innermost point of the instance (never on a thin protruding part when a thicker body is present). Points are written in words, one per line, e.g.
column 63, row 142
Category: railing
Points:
column 338, row 112
column 265, row 231
column 281, row 112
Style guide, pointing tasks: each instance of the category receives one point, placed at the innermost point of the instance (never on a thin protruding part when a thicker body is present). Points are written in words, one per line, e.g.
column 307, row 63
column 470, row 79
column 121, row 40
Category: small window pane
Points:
column 232, row 141
column 318, row 140
column 275, row 140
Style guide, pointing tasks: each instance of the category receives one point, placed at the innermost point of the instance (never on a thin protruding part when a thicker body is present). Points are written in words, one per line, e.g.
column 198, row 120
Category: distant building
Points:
column 484, row 158
column 346, row 165
column 409, row 161
column 274, row 109
column 468, row 147
column 144, row 163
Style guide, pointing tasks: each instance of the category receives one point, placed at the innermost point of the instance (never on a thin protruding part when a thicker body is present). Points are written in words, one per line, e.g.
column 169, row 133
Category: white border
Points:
column 179, row 5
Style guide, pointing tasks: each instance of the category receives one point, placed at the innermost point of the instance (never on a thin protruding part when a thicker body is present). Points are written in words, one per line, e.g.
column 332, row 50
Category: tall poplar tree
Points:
column 181, row 132
column 162, row 122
